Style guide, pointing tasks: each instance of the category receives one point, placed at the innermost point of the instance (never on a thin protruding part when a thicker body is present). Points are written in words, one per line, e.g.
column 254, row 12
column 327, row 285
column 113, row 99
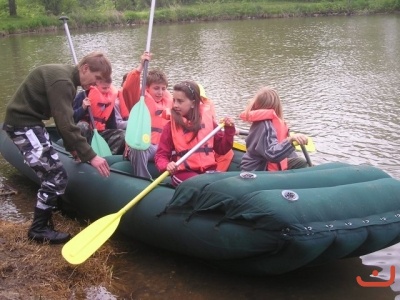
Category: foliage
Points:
column 19, row 24
column 37, row 14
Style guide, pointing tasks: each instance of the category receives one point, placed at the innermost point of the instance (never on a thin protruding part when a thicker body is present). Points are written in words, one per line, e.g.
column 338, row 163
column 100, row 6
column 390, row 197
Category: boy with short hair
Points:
column 157, row 99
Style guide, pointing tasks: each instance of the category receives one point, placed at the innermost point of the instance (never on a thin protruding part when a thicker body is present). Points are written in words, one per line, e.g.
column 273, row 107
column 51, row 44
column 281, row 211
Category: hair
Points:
column 97, row 62
column 156, row 76
column 192, row 91
column 266, row 98
column 124, row 79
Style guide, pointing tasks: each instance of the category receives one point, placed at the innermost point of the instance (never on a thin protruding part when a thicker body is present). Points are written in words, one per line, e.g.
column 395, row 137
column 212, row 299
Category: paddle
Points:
column 138, row 128
column 98, row 144
column 310, row 147
column 307, row 157
column 85, row 243
column 303, row 148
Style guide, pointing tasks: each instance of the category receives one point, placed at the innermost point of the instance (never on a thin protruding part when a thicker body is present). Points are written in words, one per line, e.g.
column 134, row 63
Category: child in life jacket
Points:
column 190, row 122
column 157, row 99
column 269, row 146
column 101, row 98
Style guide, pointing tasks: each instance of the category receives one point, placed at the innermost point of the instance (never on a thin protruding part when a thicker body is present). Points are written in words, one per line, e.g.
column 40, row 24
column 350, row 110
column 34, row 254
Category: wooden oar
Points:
column 85, row 243
column 310, row 147
column 99, row 145
column 138, row 128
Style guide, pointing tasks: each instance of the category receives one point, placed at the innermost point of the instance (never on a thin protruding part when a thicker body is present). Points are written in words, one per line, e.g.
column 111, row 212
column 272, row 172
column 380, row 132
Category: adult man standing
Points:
column 48, row 91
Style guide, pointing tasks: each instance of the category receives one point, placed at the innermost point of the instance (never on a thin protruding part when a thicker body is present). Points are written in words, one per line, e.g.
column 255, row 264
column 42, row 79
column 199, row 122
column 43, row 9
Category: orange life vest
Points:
column 203, row 158
column 209, row 106
column 156, row 110
column 102, row 105
column 281, row 131
column 122, row 105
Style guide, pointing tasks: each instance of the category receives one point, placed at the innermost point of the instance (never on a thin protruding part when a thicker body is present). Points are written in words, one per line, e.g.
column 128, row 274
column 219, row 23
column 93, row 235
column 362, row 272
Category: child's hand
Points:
column 85, row 103
column 301, row 139
column 228, row 122
column 145, row 56
column 171, row 167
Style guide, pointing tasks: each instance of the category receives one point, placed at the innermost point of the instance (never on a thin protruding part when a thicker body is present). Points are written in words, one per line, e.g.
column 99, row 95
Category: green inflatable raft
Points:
column 263, row 223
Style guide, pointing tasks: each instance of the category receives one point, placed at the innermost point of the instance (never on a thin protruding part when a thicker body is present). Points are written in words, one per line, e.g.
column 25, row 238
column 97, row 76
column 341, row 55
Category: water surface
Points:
column 339, row 80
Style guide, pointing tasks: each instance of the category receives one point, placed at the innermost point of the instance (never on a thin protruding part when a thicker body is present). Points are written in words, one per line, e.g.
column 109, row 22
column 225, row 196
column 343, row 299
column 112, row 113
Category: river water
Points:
column 339, row 80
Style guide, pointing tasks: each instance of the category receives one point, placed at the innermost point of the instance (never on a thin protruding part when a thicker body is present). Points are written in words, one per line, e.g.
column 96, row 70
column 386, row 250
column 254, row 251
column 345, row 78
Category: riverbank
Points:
column 197, row 13
column 35, row 271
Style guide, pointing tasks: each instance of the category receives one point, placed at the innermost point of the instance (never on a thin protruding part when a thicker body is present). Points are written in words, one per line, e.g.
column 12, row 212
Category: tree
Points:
column 12, row 7
column 53, row 6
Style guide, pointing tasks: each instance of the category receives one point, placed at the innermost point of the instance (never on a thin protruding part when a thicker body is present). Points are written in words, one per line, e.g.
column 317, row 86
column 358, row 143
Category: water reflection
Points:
column 156, row 274
column 339, row 81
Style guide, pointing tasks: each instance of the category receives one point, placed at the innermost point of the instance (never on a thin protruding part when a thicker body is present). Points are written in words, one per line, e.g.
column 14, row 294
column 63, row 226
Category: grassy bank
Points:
column 34, row 271
column 198, row 12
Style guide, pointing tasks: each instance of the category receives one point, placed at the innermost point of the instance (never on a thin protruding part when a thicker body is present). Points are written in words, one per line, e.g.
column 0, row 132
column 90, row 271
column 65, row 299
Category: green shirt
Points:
column 49, row 91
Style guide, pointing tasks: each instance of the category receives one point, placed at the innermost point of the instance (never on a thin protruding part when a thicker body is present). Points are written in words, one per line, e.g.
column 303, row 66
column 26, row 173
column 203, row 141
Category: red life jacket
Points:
column 102, row 105
column 203, row 158
column 156, row 110
column 281, row 131
column 122, row 105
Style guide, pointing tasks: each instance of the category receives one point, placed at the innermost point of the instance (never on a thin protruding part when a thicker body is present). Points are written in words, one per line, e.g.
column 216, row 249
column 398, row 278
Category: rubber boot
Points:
column 42, row 228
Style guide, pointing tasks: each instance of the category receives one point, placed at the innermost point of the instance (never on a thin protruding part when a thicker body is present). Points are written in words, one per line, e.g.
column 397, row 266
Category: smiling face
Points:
column 182, row 104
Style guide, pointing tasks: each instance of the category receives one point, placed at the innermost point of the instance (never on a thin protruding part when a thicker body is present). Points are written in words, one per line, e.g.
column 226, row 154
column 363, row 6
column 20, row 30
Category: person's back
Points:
column 36, row 98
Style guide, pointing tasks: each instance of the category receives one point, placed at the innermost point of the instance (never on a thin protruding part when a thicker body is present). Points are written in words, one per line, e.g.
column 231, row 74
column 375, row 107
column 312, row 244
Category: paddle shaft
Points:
column 91, row 116
column 305, row 152
column 165, row 174
column 303, row 148
column 71, row 46
column 138, row 128
column 105, row 149
column 85, row 243
column 246, row 132
column 149, row 33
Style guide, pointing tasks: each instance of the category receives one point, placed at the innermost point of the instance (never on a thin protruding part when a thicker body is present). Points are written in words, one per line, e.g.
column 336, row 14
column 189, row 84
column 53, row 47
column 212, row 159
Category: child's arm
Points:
column 269, row 147
column 165, row 148
column 131, row 86
column 223, row 140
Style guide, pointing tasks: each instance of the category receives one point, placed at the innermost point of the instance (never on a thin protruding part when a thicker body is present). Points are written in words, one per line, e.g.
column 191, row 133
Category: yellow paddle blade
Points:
column 239, row 146
column 86, row 242
column 310, row 147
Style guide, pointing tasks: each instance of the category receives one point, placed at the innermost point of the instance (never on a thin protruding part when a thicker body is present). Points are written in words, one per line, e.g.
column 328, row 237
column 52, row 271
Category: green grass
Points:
column 205, row 11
